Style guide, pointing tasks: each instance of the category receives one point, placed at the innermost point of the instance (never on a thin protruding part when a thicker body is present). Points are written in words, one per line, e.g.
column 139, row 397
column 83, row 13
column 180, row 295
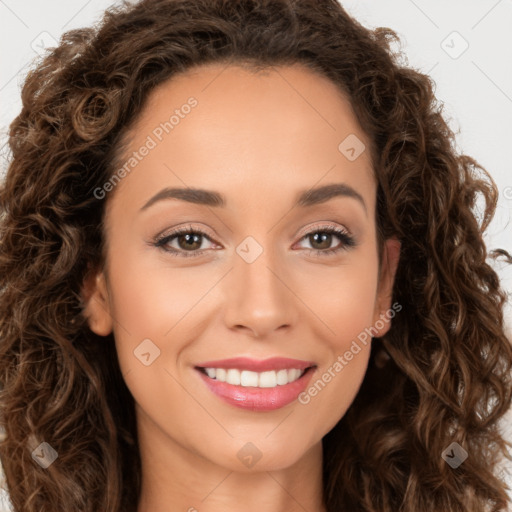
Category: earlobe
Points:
column 390, row 259
column 96, row 304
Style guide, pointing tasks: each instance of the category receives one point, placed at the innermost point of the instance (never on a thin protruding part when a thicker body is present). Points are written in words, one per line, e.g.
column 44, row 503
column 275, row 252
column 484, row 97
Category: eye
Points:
column 323, row 236
column 188, row 241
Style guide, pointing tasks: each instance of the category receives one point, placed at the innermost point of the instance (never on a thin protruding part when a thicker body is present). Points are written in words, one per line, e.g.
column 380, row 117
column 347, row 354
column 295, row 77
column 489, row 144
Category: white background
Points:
column 475, row 85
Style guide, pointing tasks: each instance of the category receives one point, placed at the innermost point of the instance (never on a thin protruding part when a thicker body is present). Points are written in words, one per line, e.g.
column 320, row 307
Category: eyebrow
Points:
column 305, row 198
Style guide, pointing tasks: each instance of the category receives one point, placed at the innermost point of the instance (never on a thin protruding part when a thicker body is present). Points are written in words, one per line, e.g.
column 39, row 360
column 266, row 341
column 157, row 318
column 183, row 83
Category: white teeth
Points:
column 268, row 379
column 233, row 377
column 211, row 372
column 246, row 378
column 282, row 377
column 293, row 374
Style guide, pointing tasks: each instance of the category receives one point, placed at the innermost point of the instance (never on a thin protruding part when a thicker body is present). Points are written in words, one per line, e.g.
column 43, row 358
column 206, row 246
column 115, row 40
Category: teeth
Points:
column 282, row 377
column 267, row 379
column 246, row 378
column 233, row 377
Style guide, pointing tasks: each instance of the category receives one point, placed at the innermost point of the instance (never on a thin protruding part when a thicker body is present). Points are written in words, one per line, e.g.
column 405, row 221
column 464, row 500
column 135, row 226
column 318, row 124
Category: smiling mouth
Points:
column 247, row 378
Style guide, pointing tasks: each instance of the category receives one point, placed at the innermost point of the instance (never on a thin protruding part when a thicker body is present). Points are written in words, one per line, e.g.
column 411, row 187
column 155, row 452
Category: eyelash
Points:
column 347, row 240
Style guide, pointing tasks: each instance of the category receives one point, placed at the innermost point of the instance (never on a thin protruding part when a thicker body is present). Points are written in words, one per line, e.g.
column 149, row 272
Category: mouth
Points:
column 237, row 383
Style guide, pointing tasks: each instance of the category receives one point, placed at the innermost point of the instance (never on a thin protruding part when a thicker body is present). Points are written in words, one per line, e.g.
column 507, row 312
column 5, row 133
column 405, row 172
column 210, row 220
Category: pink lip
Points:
column 254, row 398
column 255, row 365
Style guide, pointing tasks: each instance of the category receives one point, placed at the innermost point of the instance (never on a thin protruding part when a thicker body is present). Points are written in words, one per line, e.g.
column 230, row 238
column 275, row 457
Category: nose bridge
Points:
column 259, row 298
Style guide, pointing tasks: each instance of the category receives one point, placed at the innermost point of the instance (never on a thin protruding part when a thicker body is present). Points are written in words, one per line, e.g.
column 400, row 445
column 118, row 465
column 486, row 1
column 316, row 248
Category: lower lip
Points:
column 258, row 399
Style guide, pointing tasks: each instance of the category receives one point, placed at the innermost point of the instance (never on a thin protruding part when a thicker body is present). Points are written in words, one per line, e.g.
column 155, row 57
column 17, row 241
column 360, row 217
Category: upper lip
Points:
column 258, row 365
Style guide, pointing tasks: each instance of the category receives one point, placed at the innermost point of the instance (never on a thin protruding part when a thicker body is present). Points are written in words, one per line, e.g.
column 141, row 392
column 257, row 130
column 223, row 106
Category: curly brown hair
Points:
column 448, row 378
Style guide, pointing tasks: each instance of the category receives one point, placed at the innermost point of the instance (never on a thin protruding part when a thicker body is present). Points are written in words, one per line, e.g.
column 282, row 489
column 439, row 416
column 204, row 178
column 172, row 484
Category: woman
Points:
column 170, row 343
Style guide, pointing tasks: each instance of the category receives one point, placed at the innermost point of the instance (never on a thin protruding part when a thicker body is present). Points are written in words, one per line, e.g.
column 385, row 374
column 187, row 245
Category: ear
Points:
column 390, row 258
column 96, row 304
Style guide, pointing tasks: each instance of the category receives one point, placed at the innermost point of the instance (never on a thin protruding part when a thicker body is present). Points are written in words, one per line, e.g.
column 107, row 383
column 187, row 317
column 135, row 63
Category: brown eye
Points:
column 322, row 238
column 189, row 241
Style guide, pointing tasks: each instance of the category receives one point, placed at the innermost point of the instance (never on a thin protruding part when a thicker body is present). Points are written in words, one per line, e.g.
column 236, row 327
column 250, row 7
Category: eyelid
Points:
column 185, row 228
column 322, row 225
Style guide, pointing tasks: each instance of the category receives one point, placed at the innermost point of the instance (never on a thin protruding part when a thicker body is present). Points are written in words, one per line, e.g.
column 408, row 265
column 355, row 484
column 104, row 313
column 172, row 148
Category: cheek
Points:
column 149, row 297
column 156, row 310
column 342, row 298
column 335, row 387
column 149, row 314
column 345, row 305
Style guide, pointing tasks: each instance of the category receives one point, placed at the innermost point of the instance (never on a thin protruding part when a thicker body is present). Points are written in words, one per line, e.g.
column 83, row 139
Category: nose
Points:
column 259, row 296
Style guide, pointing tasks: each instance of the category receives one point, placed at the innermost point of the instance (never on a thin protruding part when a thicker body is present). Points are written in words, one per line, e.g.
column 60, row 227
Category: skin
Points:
column 259, row 139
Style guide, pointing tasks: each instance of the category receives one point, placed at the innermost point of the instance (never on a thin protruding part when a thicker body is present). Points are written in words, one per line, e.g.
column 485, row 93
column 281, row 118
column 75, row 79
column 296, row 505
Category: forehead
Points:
column 292, row 97
column 281, row 128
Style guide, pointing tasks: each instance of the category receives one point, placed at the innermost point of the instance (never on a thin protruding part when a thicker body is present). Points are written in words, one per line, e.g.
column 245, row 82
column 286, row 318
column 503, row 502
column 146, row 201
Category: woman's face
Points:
column 257, row 272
